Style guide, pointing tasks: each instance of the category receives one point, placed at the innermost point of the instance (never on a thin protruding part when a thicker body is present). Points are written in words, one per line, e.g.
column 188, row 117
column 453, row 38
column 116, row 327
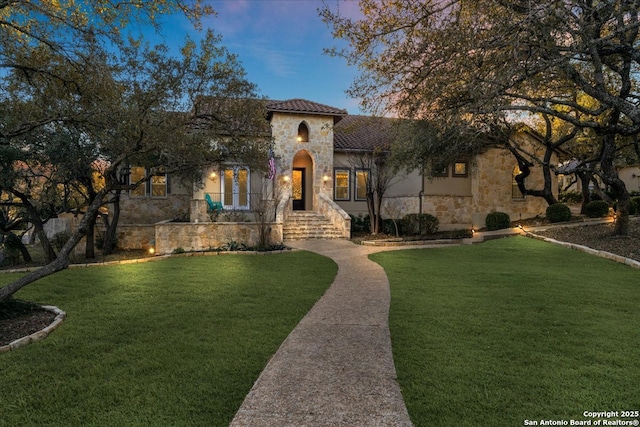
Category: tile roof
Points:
column 355, row 133
column 304, row 106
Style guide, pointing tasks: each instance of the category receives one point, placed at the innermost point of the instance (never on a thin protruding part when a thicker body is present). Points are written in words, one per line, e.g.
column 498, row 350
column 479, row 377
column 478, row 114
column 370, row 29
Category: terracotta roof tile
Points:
column 304, row 106
column 364, row 133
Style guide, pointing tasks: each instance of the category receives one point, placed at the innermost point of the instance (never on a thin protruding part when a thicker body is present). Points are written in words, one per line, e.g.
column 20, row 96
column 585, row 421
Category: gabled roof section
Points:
column 364, row 133
column 303, row 106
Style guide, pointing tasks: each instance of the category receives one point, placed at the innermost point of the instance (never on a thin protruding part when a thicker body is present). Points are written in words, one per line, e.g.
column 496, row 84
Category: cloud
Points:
column 278, row 62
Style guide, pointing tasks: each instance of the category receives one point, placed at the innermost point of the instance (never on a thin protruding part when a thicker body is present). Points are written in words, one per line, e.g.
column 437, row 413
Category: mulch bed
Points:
column 20, row 318
column 600, row 237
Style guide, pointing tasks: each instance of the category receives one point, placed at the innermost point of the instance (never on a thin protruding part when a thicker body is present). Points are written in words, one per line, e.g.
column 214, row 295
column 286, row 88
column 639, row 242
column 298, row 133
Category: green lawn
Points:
column 175, row 342
column 512, row 330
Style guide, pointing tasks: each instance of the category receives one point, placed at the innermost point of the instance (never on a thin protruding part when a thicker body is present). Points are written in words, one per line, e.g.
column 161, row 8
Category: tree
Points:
column 374, row 173
column 482, row 61
column 136, row 105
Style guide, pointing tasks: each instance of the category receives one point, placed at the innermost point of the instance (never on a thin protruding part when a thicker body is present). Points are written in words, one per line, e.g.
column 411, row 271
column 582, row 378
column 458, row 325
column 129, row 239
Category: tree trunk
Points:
column 90, row 247
column 379, row 212
column 47, row 247
column 62, row 260
column 604, row 196
column 585, row 179
column 26, row 256
column 38, row 225
column 371, row 206
column 611, row 178
column 110, row 233
column 525, row 170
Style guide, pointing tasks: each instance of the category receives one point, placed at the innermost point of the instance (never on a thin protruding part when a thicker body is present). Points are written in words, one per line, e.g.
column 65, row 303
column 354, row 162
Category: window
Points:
column 362, row 176
column 303, row 133
column 341, row 183
column 156, row 186
column 235, row 187
column 460, row 169
column 136, row 175
column 159, row 185
column 440, row 171
column 516, row 194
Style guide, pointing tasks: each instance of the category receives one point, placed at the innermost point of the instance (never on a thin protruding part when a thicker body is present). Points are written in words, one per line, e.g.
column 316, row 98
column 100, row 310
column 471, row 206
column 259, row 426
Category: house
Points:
column 314, row 188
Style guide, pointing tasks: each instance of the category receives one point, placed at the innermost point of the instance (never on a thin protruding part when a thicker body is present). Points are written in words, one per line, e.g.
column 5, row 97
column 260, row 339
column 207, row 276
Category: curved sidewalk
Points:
column 336, row 367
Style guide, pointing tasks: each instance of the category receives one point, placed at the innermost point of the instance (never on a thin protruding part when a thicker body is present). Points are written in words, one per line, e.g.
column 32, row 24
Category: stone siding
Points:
column 338, row 217
column 453, row 212
column 206, row 236
column 319, row 147
column 136, row 236
column 150, row 210
column 492, row 174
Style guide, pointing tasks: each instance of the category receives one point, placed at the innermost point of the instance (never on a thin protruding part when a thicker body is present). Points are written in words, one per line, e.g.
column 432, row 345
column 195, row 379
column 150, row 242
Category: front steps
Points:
column 302, row 225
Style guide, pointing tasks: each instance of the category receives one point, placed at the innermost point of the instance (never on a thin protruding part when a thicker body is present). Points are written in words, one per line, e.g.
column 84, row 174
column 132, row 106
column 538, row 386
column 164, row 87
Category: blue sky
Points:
column 280, row 44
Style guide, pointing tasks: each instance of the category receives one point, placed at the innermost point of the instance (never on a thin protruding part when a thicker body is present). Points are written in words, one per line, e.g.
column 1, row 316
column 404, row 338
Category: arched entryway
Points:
column 302, row 181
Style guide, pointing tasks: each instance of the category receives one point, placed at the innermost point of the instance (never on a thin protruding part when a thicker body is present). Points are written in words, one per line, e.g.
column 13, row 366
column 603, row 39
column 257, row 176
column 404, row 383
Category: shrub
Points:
column 596, row 209
column 635, row 206
column 360, row 224
column 558, row 212
column 59, row 239
column 419, row 224
column 12, row 248
column 389, row 226
column 178, row 250
column 497, row 221
column 99, row 241
column 571, row 197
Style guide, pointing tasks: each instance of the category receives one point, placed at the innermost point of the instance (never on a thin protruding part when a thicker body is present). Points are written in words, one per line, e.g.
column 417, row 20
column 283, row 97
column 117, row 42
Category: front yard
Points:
column 172, row 342
column 512, row 330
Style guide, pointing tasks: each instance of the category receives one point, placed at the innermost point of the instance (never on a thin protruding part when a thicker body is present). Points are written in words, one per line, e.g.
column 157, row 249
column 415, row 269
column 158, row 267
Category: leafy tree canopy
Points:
column 81, row 101
column 487, row 57
column 480, row 65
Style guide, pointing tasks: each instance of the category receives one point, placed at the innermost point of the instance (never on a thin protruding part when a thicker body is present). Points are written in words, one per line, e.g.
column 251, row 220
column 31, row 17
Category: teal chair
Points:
column 213, row 206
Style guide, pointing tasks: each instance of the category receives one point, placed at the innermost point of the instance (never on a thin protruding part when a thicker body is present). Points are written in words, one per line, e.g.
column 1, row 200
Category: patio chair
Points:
column 213, row 206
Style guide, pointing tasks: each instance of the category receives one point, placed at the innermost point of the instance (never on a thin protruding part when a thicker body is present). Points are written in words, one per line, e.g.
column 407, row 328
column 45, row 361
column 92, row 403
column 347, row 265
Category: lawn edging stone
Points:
column 39, row 335
column 601, row 254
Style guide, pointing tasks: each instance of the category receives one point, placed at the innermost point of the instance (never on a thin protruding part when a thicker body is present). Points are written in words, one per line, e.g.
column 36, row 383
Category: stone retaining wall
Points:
column 205, row 236
column 136, row 236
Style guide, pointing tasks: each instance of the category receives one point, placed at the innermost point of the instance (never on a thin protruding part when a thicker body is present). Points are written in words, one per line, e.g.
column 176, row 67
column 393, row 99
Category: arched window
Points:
column 303, row 133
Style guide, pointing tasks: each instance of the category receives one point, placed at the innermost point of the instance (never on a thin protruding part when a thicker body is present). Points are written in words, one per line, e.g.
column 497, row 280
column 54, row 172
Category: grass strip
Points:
column 512, row 330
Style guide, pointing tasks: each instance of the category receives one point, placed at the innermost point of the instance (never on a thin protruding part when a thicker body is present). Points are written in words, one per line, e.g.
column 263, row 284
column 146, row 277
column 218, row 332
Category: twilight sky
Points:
column 280, row 43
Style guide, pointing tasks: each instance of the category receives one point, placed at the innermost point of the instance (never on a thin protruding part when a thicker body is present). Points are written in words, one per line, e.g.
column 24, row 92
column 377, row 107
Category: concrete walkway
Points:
column 336, row 367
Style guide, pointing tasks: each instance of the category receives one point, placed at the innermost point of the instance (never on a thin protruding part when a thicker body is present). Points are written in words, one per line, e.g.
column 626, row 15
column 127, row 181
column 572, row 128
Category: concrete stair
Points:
column 302, row 225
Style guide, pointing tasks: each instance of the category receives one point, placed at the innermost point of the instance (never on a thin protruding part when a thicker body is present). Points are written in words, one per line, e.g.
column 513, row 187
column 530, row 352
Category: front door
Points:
column 297, row 189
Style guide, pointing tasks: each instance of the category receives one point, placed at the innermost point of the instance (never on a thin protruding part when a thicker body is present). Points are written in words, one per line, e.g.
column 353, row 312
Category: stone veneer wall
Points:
column 335, row 214
column 141, row 236
column 319, row 147
column 492, row 174
column 150, row 210
column 205, row 236
column 453, row 212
